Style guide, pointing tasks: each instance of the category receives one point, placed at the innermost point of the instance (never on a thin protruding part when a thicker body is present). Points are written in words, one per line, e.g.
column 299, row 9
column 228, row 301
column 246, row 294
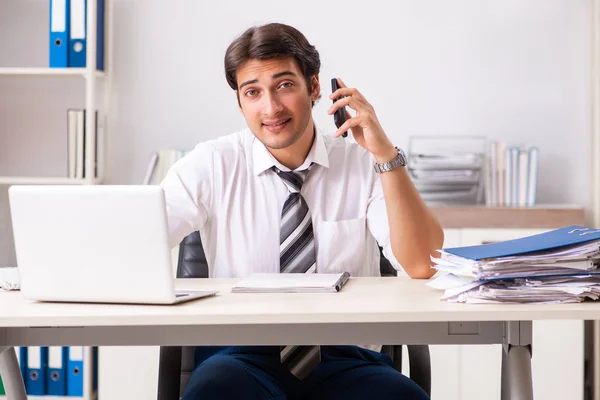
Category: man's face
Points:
column 275, row 100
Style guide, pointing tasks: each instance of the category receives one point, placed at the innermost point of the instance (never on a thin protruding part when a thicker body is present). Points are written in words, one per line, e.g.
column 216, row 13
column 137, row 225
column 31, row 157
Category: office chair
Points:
column 176, row 363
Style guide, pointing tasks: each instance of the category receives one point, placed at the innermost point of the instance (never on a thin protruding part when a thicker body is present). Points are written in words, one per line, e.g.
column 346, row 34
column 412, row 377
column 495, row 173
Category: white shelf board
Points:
column 25, row 180
column 47, row 72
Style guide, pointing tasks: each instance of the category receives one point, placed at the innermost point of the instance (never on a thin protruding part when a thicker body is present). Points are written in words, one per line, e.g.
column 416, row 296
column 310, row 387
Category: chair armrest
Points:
column 169, row 371
column 420, row 366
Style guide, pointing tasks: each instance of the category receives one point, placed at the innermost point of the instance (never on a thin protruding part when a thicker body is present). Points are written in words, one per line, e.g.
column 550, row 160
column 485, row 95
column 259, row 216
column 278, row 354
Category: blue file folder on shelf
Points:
column 59, row 34
column 570, row 235
column 95, row 369
column 78, row 34
column 35, row 378
column 22, row 359
column 56, row 378
column 75, row 371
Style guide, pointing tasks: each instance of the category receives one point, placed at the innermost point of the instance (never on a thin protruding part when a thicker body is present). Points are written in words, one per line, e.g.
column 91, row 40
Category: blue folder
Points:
column 570, row 235
column 59, row 33
column 78, row 34
column 75, row 371
column 95, row 369
column 56, row 378
column 22, row 355
column 37, row 362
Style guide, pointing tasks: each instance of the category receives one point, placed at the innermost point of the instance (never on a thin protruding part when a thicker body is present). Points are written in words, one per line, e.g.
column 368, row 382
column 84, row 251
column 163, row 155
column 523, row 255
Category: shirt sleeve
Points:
column 377, row 222
column 188, row 189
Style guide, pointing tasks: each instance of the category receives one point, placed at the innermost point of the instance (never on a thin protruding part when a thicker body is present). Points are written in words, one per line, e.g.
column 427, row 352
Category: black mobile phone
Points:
column 339, row 117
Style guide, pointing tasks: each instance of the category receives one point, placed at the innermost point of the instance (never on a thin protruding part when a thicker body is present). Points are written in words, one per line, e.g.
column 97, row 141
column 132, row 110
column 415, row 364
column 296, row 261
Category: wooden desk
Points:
column 368, row 310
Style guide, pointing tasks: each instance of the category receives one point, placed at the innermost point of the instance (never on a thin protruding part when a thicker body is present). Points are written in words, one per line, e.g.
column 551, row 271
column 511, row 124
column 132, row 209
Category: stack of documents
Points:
column 556, row 266
column 291, row 283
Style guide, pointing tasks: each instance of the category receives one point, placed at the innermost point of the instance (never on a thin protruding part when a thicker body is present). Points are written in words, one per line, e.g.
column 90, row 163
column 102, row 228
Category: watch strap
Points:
column 398, row 161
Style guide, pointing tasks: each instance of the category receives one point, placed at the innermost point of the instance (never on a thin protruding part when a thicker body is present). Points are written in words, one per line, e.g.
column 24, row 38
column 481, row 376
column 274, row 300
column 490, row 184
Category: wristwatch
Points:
column 398, row 161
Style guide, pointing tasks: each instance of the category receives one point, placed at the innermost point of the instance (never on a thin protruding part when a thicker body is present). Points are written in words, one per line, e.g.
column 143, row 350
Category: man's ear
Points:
column 315, row 88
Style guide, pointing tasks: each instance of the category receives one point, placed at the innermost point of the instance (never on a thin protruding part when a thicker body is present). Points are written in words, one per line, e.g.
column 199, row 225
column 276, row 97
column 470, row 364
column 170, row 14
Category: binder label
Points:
column 59, row 23
column 76, row 353
column 77, row 19
column 34, row 358
column 55, row 357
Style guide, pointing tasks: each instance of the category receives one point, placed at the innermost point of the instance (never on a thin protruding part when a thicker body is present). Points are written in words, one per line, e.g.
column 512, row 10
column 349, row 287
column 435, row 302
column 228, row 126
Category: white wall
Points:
column 517, row 70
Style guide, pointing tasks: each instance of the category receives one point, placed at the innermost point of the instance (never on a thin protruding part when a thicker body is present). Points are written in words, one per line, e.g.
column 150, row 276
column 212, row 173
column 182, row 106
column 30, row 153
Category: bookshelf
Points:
column 94, row 81
column 90, row 380
column 95, row 89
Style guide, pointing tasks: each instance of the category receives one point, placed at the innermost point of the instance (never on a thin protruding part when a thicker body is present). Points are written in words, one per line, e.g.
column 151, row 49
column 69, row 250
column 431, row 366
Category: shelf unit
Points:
column 89, row 391
column 93, row 79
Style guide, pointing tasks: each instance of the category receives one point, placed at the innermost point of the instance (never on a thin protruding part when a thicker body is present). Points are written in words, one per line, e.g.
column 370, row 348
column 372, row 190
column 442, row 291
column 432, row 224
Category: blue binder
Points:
column 59, row 34
column 56, row 378
column 35, row 378
column 78, row 33
column 566, row 236
column 22, row 356
column 95, row 370
column 75, row 371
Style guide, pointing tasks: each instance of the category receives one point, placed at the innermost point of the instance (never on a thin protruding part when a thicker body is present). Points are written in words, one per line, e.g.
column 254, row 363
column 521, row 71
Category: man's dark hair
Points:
column 271, row 41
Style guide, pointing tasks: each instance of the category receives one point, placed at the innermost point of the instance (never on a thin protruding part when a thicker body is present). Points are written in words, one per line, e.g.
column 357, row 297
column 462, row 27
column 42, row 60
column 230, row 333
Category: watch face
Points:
column 402, row 155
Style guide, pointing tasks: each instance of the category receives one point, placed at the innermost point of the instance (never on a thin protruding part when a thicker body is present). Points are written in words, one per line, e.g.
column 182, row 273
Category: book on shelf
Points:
column 512, row 175
column 76, row 143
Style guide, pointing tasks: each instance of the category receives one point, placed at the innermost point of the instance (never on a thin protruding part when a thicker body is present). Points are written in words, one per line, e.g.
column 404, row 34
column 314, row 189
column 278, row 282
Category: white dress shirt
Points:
column 225, row 188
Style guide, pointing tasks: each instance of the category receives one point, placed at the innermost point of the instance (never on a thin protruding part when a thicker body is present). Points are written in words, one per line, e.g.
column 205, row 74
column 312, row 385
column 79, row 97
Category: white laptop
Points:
column 94, row 243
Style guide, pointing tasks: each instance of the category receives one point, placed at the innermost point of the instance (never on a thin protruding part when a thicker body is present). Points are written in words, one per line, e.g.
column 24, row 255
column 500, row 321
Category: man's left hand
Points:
column 364, row 125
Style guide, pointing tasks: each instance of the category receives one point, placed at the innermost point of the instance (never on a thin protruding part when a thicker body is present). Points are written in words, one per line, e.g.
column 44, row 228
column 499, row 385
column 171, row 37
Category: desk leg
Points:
column 11, row 374
column 516, row 374
column 517, row 381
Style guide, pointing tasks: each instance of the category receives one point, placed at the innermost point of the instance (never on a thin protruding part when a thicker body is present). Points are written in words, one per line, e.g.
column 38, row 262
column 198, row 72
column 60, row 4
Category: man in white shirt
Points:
column 280, row 196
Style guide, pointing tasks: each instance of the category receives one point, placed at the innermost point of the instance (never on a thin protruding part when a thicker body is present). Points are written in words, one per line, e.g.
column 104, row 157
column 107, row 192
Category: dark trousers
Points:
column 255, row 373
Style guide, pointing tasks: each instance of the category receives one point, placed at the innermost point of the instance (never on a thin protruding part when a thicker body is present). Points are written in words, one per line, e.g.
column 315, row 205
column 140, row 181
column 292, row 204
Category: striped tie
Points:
column 296, row 241
column 297, row 255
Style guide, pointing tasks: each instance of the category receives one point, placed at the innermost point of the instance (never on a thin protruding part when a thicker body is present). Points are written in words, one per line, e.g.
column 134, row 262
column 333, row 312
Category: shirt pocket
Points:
column 341, row 246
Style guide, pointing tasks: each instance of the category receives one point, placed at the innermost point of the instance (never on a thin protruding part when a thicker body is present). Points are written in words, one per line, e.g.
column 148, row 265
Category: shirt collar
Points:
column 318, row 154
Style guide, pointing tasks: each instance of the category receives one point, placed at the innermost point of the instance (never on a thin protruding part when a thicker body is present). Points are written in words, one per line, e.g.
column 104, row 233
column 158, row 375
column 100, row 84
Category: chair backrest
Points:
column 192, row 262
